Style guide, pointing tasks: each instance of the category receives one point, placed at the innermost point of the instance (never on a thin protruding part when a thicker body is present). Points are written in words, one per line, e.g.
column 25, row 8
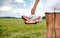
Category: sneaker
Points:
column 30, row 22
column 25, row 18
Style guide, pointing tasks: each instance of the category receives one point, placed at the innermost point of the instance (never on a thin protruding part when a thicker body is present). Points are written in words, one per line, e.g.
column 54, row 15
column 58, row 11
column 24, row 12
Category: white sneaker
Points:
column 34, row 17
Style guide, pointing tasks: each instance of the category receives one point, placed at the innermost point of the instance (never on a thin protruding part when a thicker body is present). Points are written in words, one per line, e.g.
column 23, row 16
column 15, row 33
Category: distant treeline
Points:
column 44, row 17
column 8, row 17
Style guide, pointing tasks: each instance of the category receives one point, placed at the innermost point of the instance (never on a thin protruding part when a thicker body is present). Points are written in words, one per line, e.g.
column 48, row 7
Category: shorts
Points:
column 52, row 7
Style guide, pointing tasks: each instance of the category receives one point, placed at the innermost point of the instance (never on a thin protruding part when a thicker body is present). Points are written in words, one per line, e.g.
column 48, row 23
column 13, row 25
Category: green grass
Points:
column 16, row 28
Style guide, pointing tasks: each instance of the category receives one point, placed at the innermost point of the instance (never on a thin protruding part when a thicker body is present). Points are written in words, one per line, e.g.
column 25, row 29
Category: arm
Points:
column 34, row 7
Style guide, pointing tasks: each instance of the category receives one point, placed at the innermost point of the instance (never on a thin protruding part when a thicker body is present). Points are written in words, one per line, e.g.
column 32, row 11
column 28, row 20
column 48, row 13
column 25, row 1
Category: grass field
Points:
column 16, row 28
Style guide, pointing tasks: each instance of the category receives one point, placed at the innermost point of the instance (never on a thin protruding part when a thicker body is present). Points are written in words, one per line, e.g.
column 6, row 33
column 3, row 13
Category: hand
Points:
column 33, row 10
column 34, row 7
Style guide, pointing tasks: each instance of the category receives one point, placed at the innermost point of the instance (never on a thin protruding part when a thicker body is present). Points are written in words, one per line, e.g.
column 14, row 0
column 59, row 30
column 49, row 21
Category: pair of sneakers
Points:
column 32, row 20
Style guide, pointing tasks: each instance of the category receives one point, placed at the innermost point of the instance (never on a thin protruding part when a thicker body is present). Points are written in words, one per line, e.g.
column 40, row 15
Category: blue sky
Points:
column 17, row 8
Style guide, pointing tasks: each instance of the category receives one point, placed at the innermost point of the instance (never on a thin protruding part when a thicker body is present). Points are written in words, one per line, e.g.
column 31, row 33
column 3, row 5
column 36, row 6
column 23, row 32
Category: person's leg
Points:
column 49, row 21
column 57, row 25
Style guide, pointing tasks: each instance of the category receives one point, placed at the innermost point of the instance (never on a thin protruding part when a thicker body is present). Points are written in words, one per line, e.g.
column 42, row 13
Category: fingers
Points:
column 33, row 10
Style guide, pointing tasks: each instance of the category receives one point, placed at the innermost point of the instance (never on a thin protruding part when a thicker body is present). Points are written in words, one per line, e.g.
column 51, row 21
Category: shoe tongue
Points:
column 32, row 17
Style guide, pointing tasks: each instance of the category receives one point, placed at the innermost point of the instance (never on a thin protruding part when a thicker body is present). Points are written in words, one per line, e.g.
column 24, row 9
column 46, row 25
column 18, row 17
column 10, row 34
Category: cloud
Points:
column 2, row 15
column 18, row 8
column 20, row 1
column 22, row 11
column 14, row 3
column 24, row 4
column 5, row 8
column 32, row 0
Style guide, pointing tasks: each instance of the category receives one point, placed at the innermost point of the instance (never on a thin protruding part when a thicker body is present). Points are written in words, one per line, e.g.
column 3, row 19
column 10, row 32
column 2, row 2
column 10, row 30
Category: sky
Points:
column 17, row 8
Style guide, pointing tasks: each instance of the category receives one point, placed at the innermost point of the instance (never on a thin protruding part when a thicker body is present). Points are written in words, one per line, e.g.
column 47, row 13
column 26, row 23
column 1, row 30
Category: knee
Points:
column 57, row 27
column 49, row 28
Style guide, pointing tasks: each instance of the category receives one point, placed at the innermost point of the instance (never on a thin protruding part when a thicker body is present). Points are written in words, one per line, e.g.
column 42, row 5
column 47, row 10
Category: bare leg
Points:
column 57, row 25
column 49, row 20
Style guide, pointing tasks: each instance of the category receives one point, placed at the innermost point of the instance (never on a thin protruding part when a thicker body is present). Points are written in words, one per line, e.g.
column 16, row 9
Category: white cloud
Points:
column 24, row 4
column 5, row 8
column 1, row 15
column 22, row 11
column 32, row 0
column 17, row 12
column 20, row 1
